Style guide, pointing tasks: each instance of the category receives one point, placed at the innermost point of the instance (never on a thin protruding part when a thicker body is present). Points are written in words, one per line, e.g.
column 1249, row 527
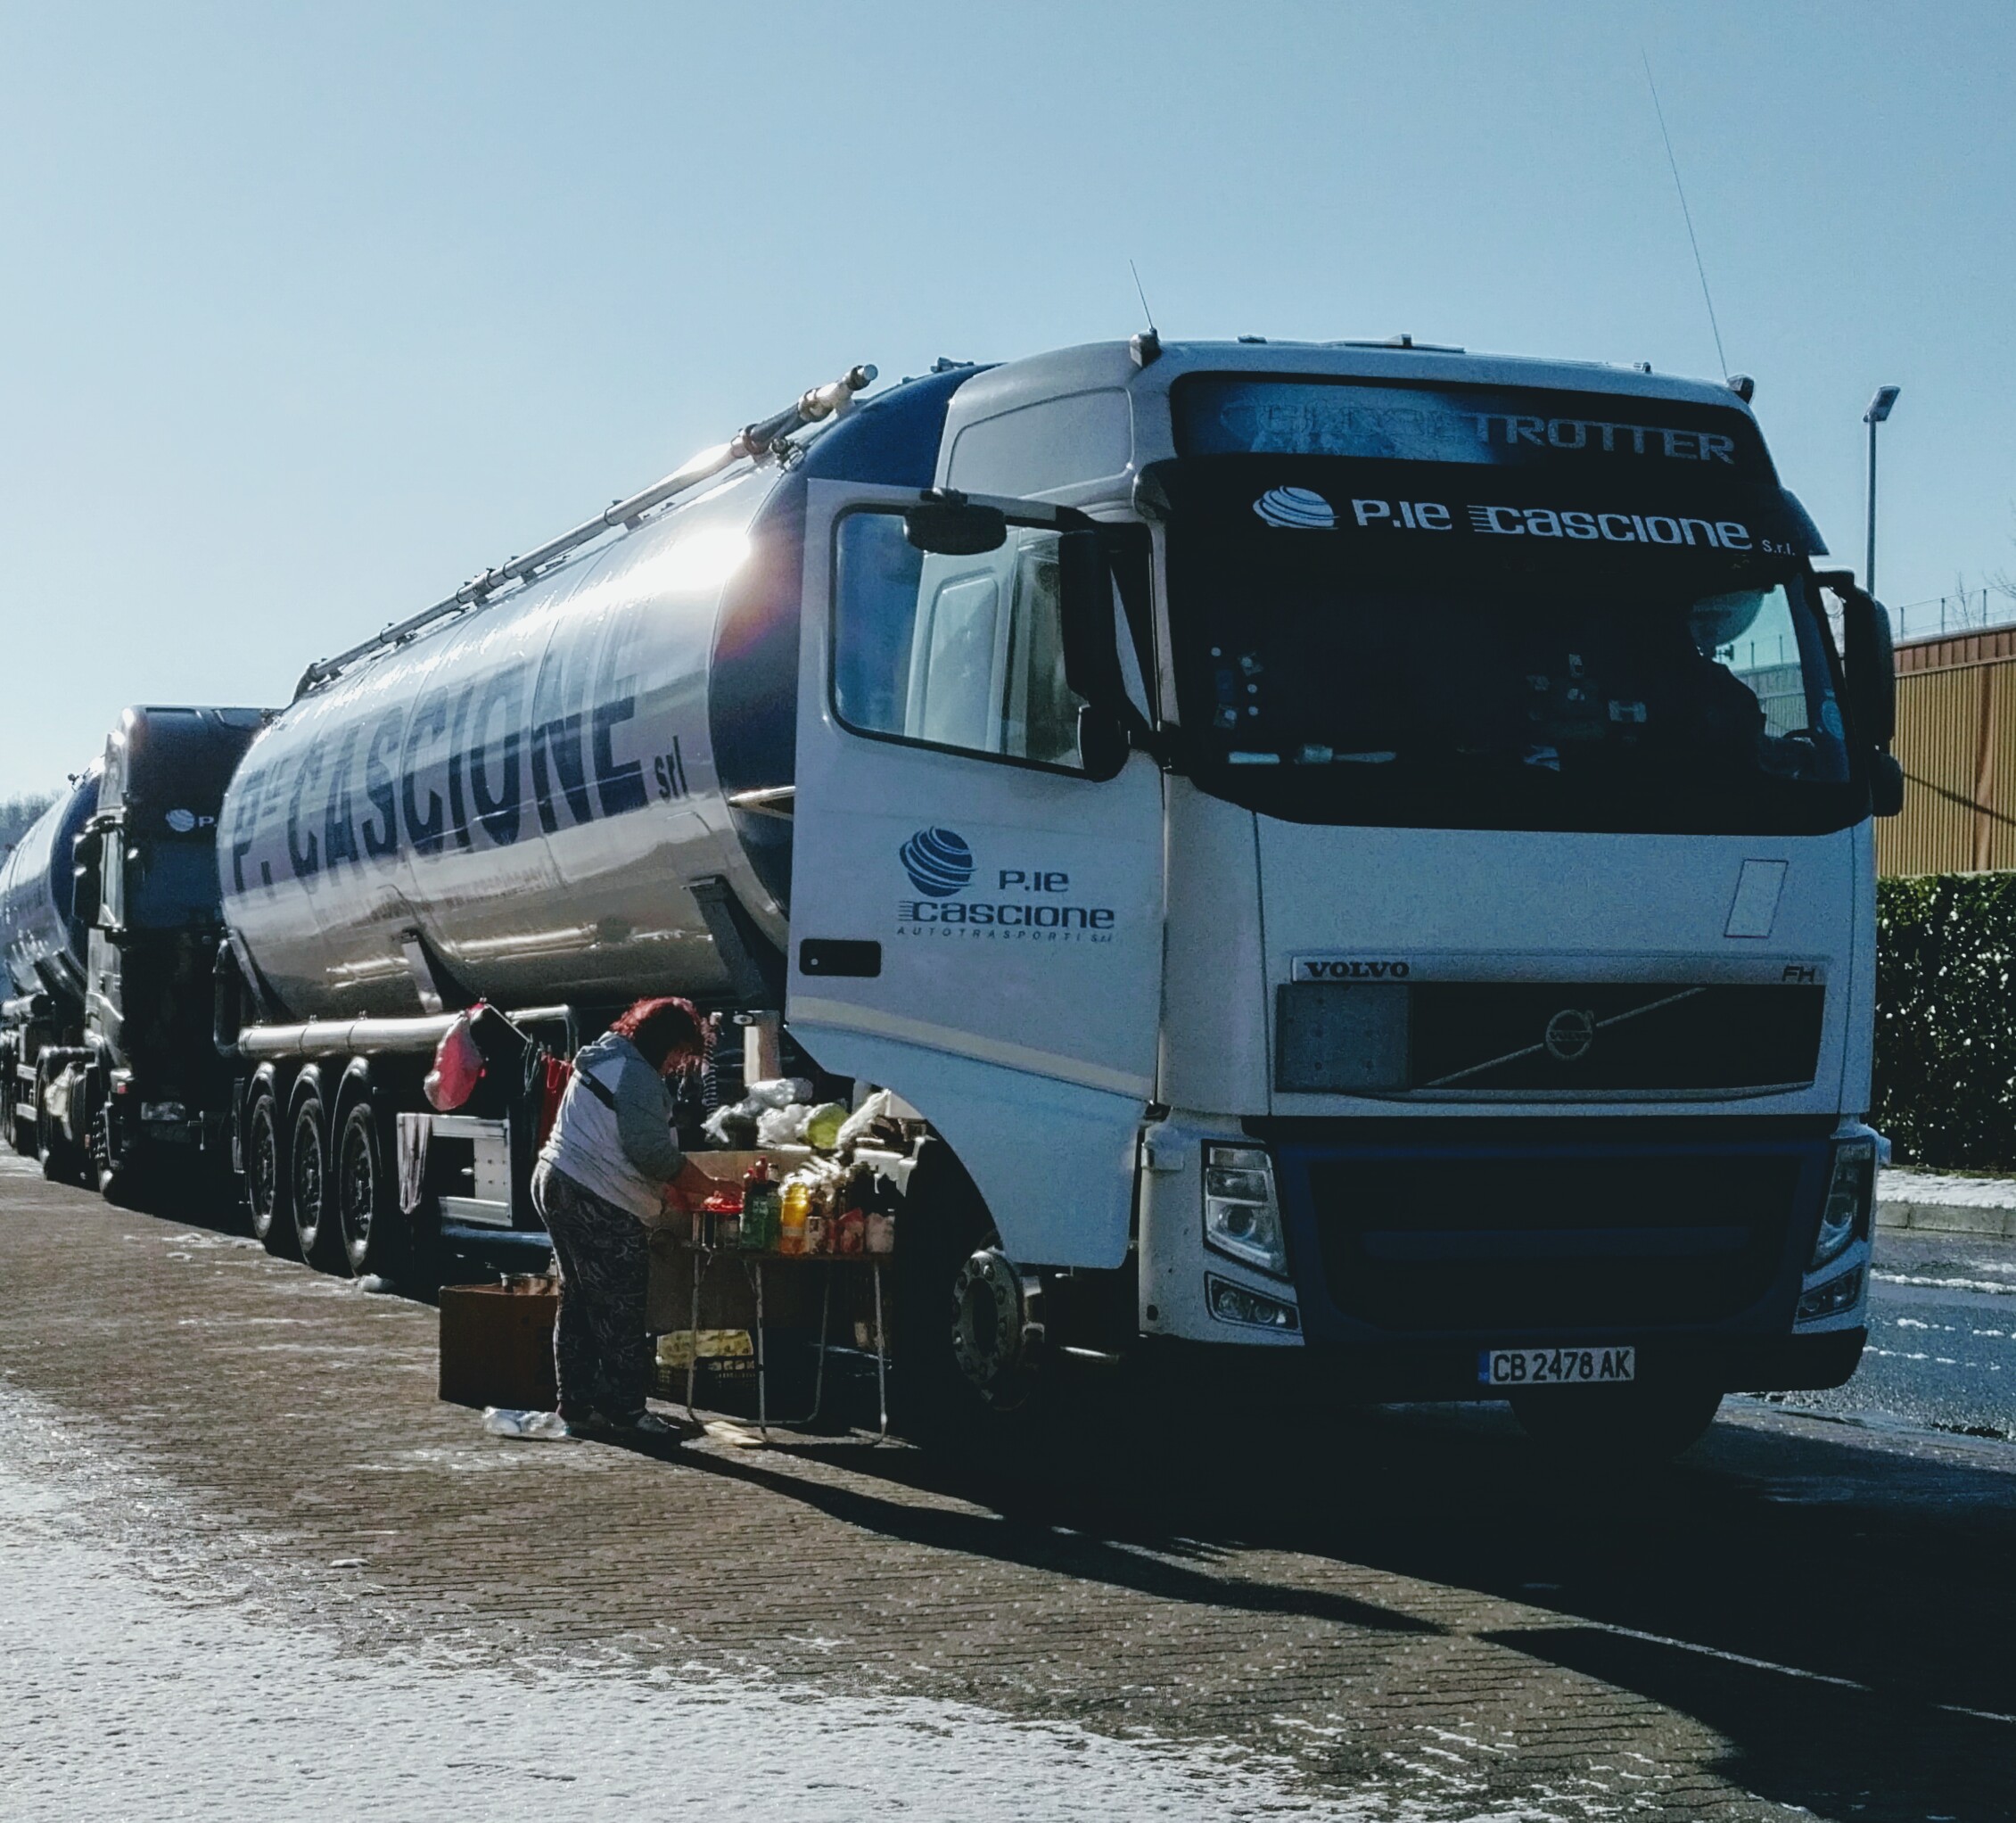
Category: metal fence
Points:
column 1967, row 611
column 1956, row 740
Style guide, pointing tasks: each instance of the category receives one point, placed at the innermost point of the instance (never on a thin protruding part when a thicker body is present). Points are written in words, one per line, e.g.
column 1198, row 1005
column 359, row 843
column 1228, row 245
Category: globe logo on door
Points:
column 938, row 863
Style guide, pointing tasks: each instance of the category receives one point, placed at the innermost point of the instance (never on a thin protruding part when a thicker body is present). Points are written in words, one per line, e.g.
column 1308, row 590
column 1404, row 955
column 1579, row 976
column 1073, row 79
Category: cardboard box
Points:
column 497, row 1347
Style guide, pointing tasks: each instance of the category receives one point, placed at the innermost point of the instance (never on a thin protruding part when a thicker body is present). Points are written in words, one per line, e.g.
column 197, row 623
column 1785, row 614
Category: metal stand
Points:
column 753, row 1264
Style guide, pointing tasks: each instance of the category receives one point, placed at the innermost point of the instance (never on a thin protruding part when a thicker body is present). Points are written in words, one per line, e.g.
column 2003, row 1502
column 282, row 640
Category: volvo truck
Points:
column 1354, row 860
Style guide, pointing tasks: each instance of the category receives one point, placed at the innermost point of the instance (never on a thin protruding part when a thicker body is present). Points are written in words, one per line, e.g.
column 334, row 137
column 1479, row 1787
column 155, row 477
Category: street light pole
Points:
column 1879, row 409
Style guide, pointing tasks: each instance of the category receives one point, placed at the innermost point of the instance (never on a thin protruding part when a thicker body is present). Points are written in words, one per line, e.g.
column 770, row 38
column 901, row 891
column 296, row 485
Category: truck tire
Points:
column 1621, row 1426
column 266, row 1173
column 310, row 1184
column 61, row 1162
column 23, row 1131
column 121, row 1175
column 965, row 1329
column 371, row 1228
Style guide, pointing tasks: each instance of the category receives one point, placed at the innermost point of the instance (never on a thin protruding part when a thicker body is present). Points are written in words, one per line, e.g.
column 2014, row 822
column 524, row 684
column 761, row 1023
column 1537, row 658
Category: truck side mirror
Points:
column 1871, row 662
column 85, row 900
column 1102, row 743
column 1886, row 785
column 1111, row 721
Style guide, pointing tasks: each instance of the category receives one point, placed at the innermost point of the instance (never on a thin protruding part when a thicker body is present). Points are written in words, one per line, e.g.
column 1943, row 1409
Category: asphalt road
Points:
column 254, row 1568
column 1942, row 1338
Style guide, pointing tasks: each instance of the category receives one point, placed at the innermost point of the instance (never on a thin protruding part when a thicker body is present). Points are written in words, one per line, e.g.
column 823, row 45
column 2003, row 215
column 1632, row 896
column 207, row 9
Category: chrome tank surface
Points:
column 533, row 789
column 44, row 945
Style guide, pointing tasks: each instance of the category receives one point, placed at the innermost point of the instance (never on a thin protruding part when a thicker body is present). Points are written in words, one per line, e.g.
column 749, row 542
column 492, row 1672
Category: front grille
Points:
column 1509, row 1240
column 1547, row 1038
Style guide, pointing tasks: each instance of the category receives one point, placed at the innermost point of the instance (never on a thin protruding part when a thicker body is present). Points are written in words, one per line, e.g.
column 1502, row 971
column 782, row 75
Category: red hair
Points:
column 666, row 1030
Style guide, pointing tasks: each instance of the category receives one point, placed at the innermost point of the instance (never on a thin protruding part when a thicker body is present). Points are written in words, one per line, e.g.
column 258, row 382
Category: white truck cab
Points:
column 1362, row 851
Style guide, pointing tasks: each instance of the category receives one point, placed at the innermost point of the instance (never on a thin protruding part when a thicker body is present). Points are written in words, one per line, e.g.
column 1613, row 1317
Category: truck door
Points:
column 976, row 917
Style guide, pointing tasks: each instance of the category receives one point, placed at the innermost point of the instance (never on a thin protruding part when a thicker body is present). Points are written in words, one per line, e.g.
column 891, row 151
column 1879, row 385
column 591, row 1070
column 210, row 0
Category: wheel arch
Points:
column 307, row 1082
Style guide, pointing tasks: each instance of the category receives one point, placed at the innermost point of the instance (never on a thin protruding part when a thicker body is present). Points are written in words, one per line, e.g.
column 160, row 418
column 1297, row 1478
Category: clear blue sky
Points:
column 308, row 313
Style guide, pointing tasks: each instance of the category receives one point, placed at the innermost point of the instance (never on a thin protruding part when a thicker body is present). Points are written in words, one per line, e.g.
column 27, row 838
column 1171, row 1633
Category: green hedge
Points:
column 1945, row 1039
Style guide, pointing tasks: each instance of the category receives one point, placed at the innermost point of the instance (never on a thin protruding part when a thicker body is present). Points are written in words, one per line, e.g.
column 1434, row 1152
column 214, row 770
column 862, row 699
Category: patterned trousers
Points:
column 601, row 1354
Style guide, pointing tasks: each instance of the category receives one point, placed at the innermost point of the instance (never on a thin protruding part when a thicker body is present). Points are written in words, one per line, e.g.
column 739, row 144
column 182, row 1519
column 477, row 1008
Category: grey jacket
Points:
column 624, row 1153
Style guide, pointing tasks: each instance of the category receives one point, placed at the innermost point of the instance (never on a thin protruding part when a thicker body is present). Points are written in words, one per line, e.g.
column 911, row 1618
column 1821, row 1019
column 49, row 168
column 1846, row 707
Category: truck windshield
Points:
column 1450, row 640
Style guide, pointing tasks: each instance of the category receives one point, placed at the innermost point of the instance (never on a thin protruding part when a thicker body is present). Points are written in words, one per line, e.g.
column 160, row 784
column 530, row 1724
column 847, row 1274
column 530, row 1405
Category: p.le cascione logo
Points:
column 1031, row 904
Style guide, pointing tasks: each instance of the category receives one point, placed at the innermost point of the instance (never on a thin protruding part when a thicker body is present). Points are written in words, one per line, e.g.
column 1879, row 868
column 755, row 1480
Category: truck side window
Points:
column 960, row 652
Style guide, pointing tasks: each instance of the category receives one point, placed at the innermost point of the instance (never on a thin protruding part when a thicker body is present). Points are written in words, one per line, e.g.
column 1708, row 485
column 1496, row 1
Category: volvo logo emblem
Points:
column 1569, row 1033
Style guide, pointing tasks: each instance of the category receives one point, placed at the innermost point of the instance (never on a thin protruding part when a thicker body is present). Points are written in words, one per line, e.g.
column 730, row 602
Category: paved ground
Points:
column 254, row 1568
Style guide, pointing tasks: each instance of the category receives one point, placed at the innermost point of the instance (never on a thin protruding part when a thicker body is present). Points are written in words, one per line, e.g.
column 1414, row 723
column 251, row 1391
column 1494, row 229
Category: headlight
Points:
column 1241, row 1216
column 1850, row 1191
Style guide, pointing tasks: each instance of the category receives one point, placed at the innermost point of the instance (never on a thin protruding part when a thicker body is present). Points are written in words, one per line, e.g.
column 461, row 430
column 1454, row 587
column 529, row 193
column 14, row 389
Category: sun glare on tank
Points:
column 701, row 560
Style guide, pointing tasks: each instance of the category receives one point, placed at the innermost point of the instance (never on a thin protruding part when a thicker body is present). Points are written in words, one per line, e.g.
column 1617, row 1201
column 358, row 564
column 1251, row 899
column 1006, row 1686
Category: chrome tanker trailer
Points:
column 1357, row 855
column 46, row 953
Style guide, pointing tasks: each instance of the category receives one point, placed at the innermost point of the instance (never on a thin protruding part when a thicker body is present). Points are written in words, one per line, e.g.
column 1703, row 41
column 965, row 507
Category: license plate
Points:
column 1517, row 1367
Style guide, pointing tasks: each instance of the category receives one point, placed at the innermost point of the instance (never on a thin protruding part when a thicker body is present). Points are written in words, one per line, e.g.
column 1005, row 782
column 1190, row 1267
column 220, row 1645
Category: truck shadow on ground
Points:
column 1735, row 1587
column 1837, row 1605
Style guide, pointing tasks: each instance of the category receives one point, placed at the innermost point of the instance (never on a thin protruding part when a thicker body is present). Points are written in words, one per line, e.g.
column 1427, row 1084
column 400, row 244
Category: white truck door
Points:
column 975, row 919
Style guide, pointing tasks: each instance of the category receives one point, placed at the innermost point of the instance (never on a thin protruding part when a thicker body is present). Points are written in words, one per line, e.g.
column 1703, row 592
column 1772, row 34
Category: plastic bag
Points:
column 458, row 1067
column 823, row 1125
column 782, row 1127
column 731, row 1128
column 536, row 1427
column 777, row 1092
column 554, row 1075
column 879, row 1106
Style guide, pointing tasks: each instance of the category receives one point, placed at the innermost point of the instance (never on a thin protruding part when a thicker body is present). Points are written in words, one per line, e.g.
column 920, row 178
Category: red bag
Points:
column 458, row 1067
column 551, row 1089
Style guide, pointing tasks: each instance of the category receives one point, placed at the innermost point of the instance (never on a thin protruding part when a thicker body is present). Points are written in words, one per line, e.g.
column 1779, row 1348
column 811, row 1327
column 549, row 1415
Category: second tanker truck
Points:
column 110, row 912
column 1354, row 855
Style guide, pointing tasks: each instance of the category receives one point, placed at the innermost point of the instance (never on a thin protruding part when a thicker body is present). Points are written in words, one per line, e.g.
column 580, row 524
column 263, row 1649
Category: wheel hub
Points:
column 998, row 1328
column 359, row 1194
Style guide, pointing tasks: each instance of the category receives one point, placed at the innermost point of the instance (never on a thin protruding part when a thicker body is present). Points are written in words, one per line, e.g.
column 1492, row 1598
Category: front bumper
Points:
column 1413, row 1246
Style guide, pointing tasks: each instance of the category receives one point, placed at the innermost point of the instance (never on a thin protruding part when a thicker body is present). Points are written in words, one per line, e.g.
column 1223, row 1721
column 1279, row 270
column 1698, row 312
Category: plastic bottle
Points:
column 797, row 1200
column 543, row 1427
column 759, row 1209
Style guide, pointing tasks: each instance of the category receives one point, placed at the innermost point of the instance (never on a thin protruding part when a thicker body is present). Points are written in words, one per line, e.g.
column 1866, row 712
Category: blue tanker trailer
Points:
column 45, row 948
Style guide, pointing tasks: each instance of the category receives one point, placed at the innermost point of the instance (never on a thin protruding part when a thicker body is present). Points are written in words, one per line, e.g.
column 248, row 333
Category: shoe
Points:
column 640, row 1428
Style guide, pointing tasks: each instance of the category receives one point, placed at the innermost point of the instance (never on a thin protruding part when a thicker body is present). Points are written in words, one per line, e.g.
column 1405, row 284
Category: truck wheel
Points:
column 266, row 1174
column 120, row 1174
column 1616, row 1425
column 24, row 1132
column 365, row 1207
column 967, row 1325
column 311, row 1189
column 60, row 1163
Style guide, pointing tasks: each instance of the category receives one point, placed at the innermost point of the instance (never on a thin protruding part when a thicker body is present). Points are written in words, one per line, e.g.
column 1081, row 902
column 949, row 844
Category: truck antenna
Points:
column 1144, row 298
column 1687, row 214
